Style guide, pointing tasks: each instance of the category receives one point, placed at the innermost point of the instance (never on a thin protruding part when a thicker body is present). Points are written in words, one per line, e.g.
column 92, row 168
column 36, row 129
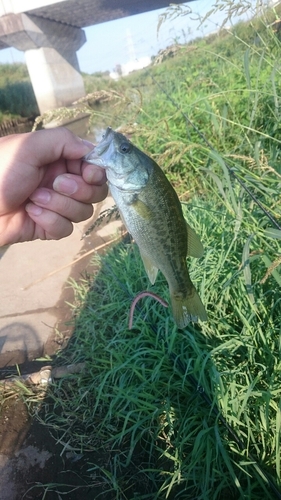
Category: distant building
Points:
column 125, row 69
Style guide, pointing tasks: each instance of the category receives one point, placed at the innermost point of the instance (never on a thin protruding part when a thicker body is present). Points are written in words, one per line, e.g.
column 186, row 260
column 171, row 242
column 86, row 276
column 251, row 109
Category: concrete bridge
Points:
column 51, row 31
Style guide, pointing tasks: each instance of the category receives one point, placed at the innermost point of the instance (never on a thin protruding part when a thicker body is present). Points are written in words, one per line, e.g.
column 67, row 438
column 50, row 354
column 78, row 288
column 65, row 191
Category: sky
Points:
column 135, row 37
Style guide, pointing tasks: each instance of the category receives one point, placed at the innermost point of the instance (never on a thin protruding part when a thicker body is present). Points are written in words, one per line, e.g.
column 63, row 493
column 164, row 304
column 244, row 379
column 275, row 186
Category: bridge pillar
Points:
column 50, row 51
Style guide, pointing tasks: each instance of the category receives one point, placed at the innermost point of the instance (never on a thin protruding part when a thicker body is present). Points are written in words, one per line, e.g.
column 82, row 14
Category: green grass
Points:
column 137, row 405
column 16, row 93
column 134, row 403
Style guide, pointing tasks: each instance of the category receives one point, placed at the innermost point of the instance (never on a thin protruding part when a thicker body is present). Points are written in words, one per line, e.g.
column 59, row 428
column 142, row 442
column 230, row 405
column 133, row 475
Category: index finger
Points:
column 23, row 155
column 51, row 145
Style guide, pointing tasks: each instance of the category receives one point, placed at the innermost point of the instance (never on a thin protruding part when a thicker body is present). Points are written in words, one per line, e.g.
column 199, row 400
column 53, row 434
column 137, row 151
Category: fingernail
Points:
column 33, row 209
column 88, row 144
column 93, row 175
column 41, row 195
column 64, row 185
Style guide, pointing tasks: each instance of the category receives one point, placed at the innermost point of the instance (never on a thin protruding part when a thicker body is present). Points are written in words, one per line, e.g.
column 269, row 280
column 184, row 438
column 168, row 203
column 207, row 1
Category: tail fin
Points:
column 187, row 308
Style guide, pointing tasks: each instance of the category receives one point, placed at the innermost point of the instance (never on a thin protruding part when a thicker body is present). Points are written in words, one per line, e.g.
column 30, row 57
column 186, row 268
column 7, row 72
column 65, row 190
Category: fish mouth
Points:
column 102, row 151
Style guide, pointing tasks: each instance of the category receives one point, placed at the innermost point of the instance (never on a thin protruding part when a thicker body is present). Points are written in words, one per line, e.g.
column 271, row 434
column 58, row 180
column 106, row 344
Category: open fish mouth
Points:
column 102, row 151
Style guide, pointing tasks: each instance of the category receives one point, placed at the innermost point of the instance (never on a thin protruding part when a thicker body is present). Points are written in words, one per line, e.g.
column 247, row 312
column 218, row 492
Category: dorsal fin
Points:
column 194, row 245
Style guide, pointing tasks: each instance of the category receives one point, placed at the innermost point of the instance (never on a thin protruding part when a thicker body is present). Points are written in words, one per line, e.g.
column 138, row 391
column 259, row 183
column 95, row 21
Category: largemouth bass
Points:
column 152, row 213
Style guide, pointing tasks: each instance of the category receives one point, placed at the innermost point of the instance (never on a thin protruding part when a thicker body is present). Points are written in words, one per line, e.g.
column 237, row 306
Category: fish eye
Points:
column 125, row 147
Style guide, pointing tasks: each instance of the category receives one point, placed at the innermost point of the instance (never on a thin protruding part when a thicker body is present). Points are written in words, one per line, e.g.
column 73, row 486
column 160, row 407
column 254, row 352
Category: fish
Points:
column 152, row 213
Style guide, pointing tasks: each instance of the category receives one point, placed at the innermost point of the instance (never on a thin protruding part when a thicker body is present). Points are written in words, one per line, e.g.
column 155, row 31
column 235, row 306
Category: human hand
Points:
column 45, row 185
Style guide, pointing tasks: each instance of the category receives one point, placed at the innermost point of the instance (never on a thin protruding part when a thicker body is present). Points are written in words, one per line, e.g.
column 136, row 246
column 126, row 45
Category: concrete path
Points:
column 33, row 315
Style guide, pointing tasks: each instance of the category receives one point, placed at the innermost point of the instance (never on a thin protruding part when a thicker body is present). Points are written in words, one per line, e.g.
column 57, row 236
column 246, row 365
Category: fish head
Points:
column 127, row 168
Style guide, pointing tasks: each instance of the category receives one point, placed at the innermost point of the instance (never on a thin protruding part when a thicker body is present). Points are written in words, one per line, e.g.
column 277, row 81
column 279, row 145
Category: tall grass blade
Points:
column 247, row 68
column 269, row 265
column 247, row 270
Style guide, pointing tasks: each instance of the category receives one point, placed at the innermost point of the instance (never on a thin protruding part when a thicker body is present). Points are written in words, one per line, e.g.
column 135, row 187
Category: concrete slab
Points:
column 32, row 305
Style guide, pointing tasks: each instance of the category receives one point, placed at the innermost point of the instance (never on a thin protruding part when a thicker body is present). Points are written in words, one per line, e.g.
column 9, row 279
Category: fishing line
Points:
column 199, row 389
column 204, row 139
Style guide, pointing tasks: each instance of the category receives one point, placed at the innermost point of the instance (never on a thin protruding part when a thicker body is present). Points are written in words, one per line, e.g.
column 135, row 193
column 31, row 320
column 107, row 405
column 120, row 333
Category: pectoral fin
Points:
column 142, row 209
column 151, row 270
column 194, row 245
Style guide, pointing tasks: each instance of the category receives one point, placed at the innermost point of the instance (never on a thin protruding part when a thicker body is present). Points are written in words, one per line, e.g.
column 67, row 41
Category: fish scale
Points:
column 152, row 213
